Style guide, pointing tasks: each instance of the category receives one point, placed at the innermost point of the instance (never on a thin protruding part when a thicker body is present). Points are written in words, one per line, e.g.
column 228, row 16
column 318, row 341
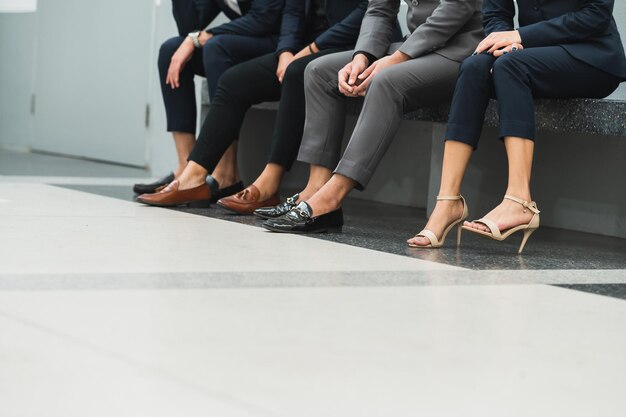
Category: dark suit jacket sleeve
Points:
column 445, row 21
column 193, row 15
column 498, row 15
column 292, row 28
column 593, row 18
column 345, row 32
column 261, row 20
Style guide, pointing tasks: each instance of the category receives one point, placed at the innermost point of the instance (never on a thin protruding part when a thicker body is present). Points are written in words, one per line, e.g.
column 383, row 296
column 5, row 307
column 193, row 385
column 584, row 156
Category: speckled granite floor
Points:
column 385, row 227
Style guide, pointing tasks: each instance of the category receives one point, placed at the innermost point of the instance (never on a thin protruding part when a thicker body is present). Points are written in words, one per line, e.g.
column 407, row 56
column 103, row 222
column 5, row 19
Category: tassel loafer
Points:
column 277, row 211
column 171, row 196
column 300, row 220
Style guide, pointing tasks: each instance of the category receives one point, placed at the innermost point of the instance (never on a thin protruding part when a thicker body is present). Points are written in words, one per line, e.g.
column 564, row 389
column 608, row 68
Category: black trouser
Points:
column 250, row 83
column 514, row 80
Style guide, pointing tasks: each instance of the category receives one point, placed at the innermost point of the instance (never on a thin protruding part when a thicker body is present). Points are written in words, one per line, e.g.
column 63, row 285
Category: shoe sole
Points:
column 232, row 210
column 335, row 229
column 191, row 204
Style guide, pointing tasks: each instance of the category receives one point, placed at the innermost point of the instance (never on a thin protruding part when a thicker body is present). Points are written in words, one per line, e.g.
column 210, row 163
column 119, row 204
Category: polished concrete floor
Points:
column 110, row 308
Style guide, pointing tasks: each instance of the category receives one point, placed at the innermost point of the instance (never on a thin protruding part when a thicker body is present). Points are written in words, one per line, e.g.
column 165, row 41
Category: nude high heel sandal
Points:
column 500, row 235
column 436, row 243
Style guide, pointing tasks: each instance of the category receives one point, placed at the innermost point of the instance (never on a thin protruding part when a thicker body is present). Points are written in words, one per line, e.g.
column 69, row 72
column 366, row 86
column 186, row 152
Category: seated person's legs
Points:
column 516, row 79
column 291, row 117
column 217, row 55
column 392, row 92
column 239, row 88
column 473, row 89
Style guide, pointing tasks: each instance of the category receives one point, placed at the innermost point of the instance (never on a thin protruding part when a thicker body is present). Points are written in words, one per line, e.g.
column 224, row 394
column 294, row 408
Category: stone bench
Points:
column 579, row 182
column 592, row 116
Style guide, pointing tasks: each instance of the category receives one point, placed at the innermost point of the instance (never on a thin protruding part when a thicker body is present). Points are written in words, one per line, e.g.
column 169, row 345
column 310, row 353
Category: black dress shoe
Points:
column 300, row 220
column 218, row 193
column 277, row 211
column 152, row 187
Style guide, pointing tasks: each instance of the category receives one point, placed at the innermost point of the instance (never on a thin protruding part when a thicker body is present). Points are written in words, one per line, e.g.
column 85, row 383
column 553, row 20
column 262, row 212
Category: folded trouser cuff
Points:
column 517, row 129
column 463, row 133
column 316, row 157
column 355, row 171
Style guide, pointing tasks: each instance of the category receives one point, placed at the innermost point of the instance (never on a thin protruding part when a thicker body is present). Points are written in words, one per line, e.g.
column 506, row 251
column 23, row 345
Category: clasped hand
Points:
column 500, row 43
column 357, row 75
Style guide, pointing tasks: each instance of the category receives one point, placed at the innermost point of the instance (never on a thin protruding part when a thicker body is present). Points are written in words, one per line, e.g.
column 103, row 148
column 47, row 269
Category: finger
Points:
column 498, row 45
column 361, row 88
column 343, row 74
column 499, row 52
column 484, row 45
column 343, row 84
column 367, row 72
column 354, row 73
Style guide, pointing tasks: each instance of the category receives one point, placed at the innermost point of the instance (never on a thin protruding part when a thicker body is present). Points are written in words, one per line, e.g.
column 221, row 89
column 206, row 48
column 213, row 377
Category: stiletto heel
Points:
column 458, row 234
column 527, row 234
column 496, row 234
column 436, row 243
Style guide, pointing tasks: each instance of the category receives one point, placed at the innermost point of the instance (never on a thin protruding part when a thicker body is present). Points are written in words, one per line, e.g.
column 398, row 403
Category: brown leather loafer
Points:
column 170, row 196
column 246, row 201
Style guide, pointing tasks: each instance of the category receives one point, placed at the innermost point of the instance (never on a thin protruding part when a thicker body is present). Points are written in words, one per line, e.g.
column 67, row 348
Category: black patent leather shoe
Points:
column 300, row 220
column 277, row 211
column 152, row 187
column 218, row 193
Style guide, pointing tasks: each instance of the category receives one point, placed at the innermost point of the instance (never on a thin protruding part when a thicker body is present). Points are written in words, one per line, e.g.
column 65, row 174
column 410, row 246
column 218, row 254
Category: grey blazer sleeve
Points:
column 377, row 27
column 445, row 21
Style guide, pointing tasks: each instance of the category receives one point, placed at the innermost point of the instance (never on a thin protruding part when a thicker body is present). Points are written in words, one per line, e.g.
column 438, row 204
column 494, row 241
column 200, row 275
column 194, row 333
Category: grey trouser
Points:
column 399, row 89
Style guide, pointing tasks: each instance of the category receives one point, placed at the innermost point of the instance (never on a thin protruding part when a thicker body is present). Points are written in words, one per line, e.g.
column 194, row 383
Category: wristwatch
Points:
column 194, row 37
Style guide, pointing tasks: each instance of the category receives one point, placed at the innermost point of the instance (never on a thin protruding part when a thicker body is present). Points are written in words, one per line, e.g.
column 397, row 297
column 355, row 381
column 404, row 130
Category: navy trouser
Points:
column 241, row 87
column 216, row 56
column 514, row 80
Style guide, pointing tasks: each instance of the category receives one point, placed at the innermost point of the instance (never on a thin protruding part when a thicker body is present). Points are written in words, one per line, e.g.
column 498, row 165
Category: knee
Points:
column 294, row 73
column 476, row 66
column 312, row 73
column 509, row 65
column 383, row 89
column 318, row 73
column 230, row 85
column 214, row 48
column 384, row 81
column 168, row 48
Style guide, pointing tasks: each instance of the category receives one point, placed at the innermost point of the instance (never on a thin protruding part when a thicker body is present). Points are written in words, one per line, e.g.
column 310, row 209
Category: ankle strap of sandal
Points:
column 532, row 206
column 449, row 197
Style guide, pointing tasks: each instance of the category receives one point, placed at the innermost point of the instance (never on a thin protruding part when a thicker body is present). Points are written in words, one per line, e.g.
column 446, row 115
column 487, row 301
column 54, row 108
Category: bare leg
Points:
column 269, row 180
column 456, row 156
column 225, row 173
column 317, row 178
column 184, row 143
column 192, row 176
column 509, row 214
column 330, row 196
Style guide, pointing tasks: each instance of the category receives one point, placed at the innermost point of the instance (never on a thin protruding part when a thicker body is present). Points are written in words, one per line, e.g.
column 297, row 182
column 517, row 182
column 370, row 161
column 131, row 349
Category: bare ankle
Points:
column 308, row 192
column 522, row 193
